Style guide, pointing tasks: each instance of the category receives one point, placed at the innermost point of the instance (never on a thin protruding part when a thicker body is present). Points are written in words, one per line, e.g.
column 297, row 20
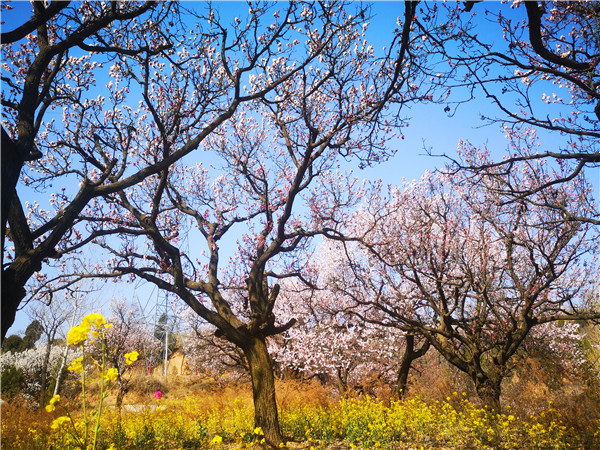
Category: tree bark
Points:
column 410, row 354
column 43, row 375
column 24, row 265
column 12, row 163
column 263, row 390
column 12, row 295
column 488, row 390
column 342, row 381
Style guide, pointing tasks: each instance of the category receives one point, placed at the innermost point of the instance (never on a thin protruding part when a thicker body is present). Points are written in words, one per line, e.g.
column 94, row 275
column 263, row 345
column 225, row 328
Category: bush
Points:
column 11, row 381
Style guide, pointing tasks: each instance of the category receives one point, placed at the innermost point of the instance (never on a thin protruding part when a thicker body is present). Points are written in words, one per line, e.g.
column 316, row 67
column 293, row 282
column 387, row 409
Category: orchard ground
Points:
column 542, row 408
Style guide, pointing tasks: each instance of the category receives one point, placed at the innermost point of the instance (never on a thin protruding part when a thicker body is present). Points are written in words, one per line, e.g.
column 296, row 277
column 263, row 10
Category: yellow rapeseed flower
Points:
column 76, row 365
column 111, row 374
column 78, row 334
column 51, row 406
column 58, row 422
column 95, row 319
column 131, row 357
column 216, row 440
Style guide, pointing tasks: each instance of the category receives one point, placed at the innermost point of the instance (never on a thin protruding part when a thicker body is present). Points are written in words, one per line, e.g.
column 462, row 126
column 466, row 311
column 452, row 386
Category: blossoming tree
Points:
column 129, row 335
column 336, row 337
column 49, row 63
column 274, row 108
column 473, row 274
column 537, row 64
column 163, row 79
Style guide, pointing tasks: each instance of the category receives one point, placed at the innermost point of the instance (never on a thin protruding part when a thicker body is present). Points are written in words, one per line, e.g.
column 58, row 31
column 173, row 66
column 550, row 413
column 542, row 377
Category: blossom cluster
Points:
column 31, row 362
column 93, row 323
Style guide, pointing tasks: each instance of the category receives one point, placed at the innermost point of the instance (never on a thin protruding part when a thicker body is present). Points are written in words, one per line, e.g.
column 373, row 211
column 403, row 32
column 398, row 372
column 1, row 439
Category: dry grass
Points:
column 576, row 396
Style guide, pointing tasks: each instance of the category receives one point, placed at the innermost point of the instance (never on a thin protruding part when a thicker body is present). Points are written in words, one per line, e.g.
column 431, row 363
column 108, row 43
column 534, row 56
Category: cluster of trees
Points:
column 448, row 260
column 161, row 135
column 16, row 343
column 336, row 348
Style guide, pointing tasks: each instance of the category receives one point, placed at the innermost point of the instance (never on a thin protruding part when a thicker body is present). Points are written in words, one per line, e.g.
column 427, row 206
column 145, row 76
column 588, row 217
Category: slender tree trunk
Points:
column 43, row 377
column 410, row 354
column 263, row 389
column 59, row 374
column 119, row 401
column 120, row 395
column 63, row 362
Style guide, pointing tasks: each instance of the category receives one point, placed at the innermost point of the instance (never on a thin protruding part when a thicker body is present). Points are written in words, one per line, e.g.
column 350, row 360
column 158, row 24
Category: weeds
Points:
column 192, row 423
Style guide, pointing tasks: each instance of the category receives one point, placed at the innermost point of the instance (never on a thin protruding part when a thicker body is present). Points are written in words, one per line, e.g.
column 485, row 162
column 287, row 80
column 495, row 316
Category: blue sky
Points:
column 430, row 127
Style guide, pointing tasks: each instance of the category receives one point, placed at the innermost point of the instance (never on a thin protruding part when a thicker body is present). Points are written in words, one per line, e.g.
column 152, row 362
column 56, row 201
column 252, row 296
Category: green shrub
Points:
column 12, row 380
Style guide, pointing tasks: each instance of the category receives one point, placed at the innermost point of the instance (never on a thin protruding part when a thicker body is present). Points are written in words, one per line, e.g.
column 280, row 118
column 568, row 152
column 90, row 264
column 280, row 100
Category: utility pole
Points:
column 164, row 323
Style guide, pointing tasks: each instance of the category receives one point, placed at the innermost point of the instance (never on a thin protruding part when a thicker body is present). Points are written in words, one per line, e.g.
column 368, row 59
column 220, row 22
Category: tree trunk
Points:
column 63, row 362
column 342, row 381
column 488, row 390
column 12, row 295
column 12, row 163
column 119, row 401
column 405, row 364
column 43, row 377
column 120, row 394
column 59, row 374
column 263, row 389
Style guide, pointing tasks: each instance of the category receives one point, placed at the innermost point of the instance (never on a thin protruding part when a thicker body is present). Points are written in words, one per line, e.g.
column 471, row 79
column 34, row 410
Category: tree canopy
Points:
column 204, row 153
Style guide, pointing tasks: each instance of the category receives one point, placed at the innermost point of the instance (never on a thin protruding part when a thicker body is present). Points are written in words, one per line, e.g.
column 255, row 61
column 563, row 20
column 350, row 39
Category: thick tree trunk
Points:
column 263, row 389
column 20, row 270
column 342, row 381
column 13, row 290
column 410, row 354
column 488, row 390
column 12, row 163
column 12, row 295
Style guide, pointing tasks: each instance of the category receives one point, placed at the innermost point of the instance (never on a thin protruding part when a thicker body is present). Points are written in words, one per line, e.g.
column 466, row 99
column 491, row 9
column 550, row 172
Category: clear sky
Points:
column 430, row 127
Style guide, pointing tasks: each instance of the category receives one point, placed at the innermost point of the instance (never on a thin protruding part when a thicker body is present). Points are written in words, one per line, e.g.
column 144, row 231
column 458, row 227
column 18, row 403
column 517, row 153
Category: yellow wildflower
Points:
column 131, row 357
column 76, row 365
column 50, row 406
column 58, row 422
column 216, row 440
column 95, row 319
column 111, row 374
column 78, row 334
